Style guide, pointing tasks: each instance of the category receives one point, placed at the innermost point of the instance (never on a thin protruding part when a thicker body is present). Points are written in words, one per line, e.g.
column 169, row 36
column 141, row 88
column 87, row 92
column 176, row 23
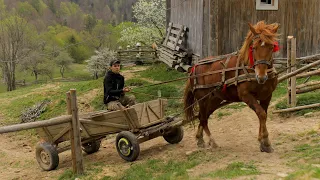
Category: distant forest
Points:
column 44, row 13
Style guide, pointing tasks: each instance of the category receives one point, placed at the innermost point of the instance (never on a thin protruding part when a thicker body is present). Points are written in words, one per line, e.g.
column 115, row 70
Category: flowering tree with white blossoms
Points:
column 97, row 64
column 151, row 23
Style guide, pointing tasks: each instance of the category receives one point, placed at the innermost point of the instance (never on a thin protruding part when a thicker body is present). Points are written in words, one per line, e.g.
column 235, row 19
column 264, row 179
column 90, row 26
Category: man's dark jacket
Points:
column 113, row 86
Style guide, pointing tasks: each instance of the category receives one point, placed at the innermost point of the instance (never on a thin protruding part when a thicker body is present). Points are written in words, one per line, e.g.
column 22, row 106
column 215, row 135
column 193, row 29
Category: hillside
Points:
column 235, row 128
column 43, row 13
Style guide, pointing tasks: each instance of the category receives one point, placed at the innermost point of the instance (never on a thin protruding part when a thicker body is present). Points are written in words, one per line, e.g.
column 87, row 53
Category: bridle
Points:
column 254, row 62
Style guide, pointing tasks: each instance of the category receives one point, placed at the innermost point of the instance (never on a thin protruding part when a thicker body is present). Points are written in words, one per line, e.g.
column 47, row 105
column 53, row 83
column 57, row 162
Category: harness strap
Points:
column 237, row 70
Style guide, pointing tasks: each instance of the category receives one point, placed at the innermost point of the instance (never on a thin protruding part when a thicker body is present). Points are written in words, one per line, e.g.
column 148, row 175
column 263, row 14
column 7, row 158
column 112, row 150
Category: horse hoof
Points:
column 212, row 144
column 267, row 149
column 201, row 144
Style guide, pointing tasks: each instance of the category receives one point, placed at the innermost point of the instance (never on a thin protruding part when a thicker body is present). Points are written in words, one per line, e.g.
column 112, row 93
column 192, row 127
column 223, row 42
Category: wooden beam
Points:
column 293, row 68
column 307, row 74
column 37, row 124
column 61, row 133
column 102, row 123
column 308, row 89
column 308, row 84
column 77, row 159
column 298, row 71
column 289, row 68
column 297, row 108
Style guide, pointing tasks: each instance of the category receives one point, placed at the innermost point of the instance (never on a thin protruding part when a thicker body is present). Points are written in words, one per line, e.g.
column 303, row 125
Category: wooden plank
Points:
column 84, row 130
column 171, row 46
column 177, row 39
column 37, row 124
column 311, row 73
column 293, row 68
column 168, row 34
column 308, row 89
column 297, row 108
column 48, row 134
column 168, row 54
column 95, row 129
column 156, row 114
column 173, row 39
column 102, row 123
column 62, row 133
column 77, row 159
column 177, row 26
column 308, row 84
column 289, row 68
column 282, row 78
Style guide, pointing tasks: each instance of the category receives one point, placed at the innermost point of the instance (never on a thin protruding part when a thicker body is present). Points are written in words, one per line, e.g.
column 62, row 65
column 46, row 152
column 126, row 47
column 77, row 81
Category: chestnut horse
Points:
column 256, row 56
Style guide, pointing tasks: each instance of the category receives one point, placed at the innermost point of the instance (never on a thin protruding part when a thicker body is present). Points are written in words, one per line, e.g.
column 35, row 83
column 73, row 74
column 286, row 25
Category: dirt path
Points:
column 236, row 135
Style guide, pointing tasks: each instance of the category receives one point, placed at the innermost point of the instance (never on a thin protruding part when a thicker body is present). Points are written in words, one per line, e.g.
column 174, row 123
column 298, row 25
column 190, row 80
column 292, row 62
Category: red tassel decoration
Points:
column 251, row 56
column 224, row 89
column 276, row 47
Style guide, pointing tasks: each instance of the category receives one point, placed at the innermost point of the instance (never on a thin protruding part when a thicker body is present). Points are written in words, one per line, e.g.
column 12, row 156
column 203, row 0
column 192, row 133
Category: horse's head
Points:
column 261, row 43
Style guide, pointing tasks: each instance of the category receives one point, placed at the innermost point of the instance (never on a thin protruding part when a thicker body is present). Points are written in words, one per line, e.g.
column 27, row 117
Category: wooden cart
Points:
column 134, row 125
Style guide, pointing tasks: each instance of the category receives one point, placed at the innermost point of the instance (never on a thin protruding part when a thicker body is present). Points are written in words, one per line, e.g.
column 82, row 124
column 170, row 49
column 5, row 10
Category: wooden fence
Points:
column 296, row 68
column 73, row 118
column 138, row 55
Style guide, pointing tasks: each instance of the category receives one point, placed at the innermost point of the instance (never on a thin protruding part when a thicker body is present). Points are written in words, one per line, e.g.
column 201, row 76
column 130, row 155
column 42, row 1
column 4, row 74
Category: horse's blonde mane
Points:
column 266, row 34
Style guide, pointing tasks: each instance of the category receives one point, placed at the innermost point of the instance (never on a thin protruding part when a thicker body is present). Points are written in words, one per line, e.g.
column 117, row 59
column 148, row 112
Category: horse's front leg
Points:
column 265, row 145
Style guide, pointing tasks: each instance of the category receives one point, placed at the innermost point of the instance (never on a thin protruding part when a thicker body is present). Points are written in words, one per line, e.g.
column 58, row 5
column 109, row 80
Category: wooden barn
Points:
column 219, row 27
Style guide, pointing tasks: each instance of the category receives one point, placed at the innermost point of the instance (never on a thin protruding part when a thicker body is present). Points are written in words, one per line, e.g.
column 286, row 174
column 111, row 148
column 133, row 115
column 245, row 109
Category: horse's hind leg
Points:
column 206, row 109
column 199, row 136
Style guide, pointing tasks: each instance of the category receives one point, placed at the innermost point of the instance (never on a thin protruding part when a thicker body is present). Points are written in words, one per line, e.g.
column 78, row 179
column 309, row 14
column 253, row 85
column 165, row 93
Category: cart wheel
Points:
column 174, row 135
column 91, row 147
column 47, row 156
column 127, row 146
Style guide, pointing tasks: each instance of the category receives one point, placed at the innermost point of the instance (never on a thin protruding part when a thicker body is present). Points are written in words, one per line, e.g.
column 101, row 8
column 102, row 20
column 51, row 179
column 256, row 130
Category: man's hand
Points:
column 126, row 89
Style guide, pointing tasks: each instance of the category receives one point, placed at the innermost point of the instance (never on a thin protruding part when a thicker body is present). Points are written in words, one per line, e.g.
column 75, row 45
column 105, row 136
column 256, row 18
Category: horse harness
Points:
column 224, row 83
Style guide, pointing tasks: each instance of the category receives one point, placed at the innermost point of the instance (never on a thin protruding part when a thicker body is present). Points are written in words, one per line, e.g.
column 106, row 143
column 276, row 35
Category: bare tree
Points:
column 63, row 61
column 15, row 37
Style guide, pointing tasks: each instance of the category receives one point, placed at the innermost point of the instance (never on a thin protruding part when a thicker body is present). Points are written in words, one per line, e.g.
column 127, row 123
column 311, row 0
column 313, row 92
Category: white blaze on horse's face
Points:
column 262, row 55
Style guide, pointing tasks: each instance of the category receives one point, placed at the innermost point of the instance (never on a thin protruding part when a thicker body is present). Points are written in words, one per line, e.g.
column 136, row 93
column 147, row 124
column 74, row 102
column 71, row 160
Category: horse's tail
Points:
column 189, row 101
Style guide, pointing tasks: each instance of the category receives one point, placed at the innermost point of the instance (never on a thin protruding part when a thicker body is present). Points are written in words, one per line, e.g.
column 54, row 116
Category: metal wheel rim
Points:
column 44, row 157
column 124, row 147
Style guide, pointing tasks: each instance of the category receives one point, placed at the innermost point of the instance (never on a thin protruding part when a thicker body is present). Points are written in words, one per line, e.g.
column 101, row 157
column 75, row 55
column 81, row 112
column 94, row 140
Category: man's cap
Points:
column 114, row 62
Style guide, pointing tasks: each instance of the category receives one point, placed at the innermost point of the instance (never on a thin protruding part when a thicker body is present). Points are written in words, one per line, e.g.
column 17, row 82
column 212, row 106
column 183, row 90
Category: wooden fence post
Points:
column 293, row 68
column 75, row 138
column 289, row 69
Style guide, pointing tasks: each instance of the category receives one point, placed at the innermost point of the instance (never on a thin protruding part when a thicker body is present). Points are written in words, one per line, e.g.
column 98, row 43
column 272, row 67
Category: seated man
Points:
column 114, row 90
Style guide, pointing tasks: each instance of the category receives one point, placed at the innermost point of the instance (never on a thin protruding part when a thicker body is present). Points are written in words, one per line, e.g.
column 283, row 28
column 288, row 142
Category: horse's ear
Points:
column 275, row 28
column 252, row 29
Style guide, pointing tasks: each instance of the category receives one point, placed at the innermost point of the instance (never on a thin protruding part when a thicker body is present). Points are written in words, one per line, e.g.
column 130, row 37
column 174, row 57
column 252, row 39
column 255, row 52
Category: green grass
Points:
column 222, row 114
column 235, row 169
column 29, row 96
column 91, row 171
column 160, row 72
column 305, row 155
column 305, row 172
column 144, row 94
column 234, row 106
column 171, row 169
column 303, row 99
column 156, row 169
column 75, row 72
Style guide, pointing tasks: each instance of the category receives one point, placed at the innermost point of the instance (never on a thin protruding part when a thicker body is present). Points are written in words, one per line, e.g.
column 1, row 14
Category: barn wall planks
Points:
column 190, row 14
column 299, row 18
column 228, row 24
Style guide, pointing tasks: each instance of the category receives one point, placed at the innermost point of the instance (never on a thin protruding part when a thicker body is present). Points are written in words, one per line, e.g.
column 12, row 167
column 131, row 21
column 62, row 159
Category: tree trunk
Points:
column 62, row 71
column 35, row 75
column 96, row 75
